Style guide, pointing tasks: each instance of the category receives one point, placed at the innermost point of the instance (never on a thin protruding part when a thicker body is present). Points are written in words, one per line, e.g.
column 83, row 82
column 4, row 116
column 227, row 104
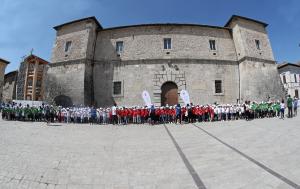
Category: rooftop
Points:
column 233, row 17
column 5, row 61
column 32, row 57
column 284, row 64
column 80, row 20
column 165, row 24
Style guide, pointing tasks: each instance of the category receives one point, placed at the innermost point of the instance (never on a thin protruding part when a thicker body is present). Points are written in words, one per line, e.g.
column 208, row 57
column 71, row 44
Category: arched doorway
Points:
column 169, row 94
column 63, row 101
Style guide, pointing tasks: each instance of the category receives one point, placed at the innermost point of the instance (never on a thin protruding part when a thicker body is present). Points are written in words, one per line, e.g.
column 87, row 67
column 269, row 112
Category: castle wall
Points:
column 70, row 73
column 87, row 72
column 137, row 76
column 260, row 80
column 66, row 79
column 147, row 42
column 139, row 66
column 259, row 77
column 245, row 33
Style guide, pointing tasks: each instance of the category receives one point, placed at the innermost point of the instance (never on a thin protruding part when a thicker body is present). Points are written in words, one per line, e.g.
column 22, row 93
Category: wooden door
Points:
column 169, row 94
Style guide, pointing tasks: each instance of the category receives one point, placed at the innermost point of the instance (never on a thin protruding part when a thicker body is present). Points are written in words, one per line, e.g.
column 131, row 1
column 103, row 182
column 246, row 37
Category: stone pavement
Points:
column 256, row 154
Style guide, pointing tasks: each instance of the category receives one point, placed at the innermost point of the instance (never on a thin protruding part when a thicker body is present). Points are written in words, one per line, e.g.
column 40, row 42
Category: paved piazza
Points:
column 257, row 154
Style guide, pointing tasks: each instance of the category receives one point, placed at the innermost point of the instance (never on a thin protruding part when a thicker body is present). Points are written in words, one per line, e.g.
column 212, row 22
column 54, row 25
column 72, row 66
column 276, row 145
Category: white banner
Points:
column 29, row 102
column 185, row 97
column 146, row 98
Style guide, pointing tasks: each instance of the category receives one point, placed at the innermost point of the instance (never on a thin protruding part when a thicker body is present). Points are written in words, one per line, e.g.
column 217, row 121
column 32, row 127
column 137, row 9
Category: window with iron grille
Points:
column 119, row 46
column 117, row 88
column 218, row 86
column 212, row 45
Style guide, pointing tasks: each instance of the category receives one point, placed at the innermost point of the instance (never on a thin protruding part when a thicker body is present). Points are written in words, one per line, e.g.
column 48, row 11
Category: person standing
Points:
column 295, row 104
column 114, row 114
column 178, row 113
column 282, row 107
column 290, row 106
column 152, row 114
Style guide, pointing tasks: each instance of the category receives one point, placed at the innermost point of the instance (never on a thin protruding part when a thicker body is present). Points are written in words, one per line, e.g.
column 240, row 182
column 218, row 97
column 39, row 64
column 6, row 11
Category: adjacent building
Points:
column 92, row 65
column 9, row 87
column 290, row 77
column 3, row 64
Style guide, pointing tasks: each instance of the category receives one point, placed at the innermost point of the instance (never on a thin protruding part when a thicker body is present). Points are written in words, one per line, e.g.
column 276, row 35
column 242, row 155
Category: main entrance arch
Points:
column 169, row 94
column 63, row 101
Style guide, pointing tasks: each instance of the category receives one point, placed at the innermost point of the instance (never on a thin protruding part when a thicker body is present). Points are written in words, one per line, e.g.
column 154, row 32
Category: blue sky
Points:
column 27, row 24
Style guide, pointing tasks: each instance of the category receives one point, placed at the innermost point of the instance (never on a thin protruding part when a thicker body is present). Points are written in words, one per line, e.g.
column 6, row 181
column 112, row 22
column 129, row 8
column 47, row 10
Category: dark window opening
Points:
column 296, row 93
column 218, row 86
column 257, row 43
column 167, row 43
column 68, row 46
column 117, row 88
column 284, row 79
column 295, row 78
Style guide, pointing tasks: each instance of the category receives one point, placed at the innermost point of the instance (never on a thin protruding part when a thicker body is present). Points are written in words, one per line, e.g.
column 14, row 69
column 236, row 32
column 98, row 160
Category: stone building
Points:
column 290, row 77
column 9, row 87
column 3, row 64
column 30, row 80
column 93, row 65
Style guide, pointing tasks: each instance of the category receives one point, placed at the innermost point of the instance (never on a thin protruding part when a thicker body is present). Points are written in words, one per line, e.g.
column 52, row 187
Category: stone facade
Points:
column 9, row 88
column 86, row 70
column 3, row 64
column 290, row 77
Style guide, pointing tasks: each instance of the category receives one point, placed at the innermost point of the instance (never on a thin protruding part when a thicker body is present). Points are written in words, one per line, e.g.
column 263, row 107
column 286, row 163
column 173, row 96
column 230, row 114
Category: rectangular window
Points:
column 296, row 93
column 119, row 46
column 68, row 46
column 167, row 43
column 295, row 78
column 284, row 79
column 257, row 43
column 117, row 88
column 218, row 86
column 212, row 45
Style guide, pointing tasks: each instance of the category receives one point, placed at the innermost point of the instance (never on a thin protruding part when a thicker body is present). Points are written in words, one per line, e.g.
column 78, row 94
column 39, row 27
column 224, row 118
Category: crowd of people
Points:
column 153, row 115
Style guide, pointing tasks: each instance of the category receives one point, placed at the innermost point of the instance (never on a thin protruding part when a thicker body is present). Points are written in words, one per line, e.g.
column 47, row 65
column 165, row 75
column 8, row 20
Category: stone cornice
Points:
column 161, row 61
column 167, row 61
column 71, row 62
column 254, row 59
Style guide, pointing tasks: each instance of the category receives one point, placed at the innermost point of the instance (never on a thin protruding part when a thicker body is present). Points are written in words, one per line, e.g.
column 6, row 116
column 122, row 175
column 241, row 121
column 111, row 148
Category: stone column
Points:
column 34, row 81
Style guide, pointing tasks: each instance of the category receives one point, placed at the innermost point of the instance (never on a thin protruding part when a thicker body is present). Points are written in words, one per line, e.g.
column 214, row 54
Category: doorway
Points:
column 169, row 94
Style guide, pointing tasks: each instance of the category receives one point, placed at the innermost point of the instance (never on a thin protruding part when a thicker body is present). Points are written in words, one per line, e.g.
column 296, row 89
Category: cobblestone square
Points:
column 261, row 154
